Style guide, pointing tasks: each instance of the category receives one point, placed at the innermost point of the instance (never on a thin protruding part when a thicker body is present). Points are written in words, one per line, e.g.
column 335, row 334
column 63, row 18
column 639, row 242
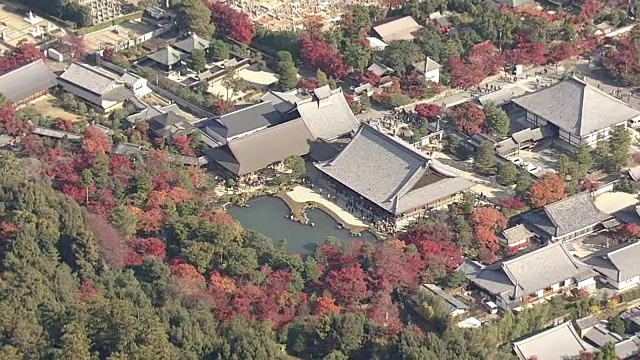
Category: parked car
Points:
column 532, row 169
column 492, row 308
column 517, row 161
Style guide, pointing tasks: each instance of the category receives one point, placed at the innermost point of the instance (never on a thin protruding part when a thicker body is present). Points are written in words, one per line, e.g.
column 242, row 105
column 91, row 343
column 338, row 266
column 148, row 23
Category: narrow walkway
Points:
column 303, row 195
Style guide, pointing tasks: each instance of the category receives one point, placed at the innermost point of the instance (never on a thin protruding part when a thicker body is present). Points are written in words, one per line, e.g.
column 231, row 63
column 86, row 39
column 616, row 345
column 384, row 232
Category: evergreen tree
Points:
column 485, row 160
column 507, row 174
column 198, row 62
column 286, row 70
column 523, row 183
column 497, row 120
column 618, row 144
column 193, row 16
column 218, row 50
column 321, row 78
column 584, row 160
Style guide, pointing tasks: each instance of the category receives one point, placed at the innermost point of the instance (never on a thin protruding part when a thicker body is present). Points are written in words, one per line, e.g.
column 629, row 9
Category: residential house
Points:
column 193, row 42
column 95, row 86
column 168, row 59
column 618, row 266
column 576, row 111
column 631, row 319
column 429, row 69
column 170, row 125
column 27, row 83
column 516, row 237
column 404, row 28
column 603, row 28
column 533, row 277
column 245, row 155
column 557, row 343
column 570, row 218
column 389, row 177
column 454, row 306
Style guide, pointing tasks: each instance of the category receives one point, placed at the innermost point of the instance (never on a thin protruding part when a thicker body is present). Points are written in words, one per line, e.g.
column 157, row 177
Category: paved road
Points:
column 527, row 80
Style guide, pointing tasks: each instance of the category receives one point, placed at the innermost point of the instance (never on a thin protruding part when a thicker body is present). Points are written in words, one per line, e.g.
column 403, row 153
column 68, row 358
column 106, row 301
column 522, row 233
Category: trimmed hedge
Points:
column 630, row 295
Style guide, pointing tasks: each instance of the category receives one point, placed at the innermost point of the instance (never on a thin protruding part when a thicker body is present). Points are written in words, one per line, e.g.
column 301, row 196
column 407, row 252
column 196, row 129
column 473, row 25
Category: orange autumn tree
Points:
column 94, row 141
column 548, row 189
column 486, row 221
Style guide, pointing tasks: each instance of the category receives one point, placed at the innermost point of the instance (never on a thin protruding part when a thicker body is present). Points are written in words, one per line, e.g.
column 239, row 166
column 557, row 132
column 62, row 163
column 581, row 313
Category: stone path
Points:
column 301, row 194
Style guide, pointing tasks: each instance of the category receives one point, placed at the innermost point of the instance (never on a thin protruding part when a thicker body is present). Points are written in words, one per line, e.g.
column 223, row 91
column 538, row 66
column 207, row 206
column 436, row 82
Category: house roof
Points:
column 170, row 124
column 168, row 56
column 557, row 343
column 256, row 151
column 191, row 43
column 426, row 65
column 599, row 335
column 517, row 234
column 327, row 114
column 634, row 173
column 574, row 213
column 452, row 303
column 390, row 173
column 625, row 349
column 533, row 271
column 577, row 107
column 398, row 29
column 88, row 78
column 25, row 81
column 619, row 262
column 379, row 69
column 245, row 120
column 586, row 322
column 514, row 3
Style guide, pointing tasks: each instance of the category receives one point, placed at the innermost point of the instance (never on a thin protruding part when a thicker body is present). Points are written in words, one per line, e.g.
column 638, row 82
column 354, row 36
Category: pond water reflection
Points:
column 269, row 216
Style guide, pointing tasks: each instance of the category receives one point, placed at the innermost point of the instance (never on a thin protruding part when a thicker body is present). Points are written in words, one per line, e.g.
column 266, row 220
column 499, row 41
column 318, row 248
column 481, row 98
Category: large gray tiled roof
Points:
column 516, row 234
column 192, row 42
column 577, row 107
column 544, row 267
column 245, row 120
column 327, row 114
column 399, row 29
column 261, row 149
column 574, row 213
column 87, row 78
column 26, row 81
column 557, row 343
column 384, row 170
column 532, row 271
column 168, row 56
column 621, row 262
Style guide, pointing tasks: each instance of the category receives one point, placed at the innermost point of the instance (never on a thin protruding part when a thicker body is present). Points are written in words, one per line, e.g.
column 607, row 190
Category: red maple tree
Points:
column 348, row 285
column 316, row 53
column 23, row 54
column 548, row 189
column 428, row 111
column 231, row 22
column 95, row 141
column 627, row 231
column 468, row 118
column 487, row 58
column 465, row 75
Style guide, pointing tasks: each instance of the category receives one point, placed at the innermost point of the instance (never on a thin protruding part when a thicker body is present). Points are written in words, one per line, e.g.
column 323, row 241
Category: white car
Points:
column 532, row 169
column 517, row 161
